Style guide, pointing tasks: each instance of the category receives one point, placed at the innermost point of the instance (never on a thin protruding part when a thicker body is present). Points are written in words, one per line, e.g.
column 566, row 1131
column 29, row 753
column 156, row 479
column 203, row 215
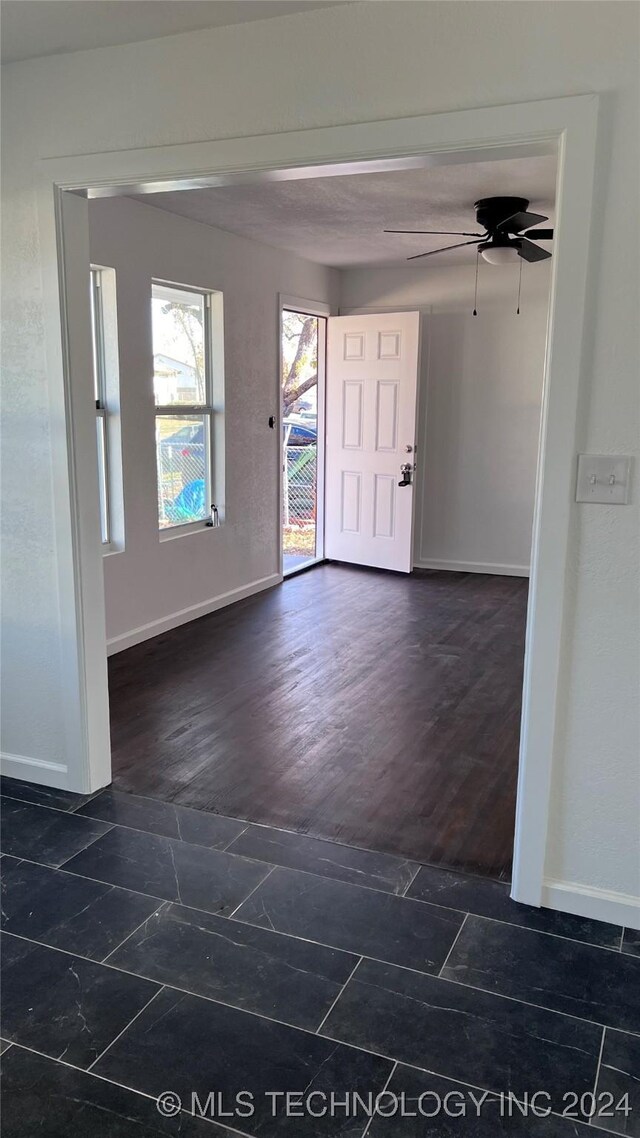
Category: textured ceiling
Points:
column 339, row 220
column 32, row 28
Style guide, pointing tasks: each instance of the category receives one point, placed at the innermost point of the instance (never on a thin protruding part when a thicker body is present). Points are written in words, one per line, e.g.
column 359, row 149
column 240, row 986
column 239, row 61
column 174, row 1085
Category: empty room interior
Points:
column 319, row 780
column 375, row 698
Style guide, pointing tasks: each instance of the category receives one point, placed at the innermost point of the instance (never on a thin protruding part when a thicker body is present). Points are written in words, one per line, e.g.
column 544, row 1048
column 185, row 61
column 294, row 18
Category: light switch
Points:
column 603, row 478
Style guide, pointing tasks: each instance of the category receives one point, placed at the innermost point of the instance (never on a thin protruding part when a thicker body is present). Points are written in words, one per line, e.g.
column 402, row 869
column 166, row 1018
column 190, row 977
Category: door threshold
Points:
column 308, row 565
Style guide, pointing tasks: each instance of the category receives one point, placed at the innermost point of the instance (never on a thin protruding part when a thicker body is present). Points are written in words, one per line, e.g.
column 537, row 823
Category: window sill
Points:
column 186, row 530
column 109, row 549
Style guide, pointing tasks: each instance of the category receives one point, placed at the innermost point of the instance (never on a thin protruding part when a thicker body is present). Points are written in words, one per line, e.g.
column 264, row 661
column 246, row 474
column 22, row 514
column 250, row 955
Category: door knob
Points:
column 407, row 471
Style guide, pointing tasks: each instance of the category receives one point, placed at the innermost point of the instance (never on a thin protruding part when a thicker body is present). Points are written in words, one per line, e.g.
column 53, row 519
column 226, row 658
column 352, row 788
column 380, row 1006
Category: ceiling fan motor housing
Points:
column 491, row 212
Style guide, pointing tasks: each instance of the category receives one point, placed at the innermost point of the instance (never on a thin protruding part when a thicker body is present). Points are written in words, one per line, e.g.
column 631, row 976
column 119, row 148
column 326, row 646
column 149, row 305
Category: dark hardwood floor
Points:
column 369, row 708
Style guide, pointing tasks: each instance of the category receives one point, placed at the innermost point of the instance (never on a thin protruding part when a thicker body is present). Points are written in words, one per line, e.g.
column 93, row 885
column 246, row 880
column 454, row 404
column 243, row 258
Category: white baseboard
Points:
column 183, row 616
column 598, row 904
column 44, row 771
column 472, row 567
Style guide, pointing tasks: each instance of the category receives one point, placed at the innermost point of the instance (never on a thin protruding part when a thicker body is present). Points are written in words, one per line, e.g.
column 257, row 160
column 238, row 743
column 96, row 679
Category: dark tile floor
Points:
column 150, row 948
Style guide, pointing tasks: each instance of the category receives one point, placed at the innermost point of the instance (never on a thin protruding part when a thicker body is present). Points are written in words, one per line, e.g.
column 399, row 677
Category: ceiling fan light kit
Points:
column 507, row 239
column 499, row 252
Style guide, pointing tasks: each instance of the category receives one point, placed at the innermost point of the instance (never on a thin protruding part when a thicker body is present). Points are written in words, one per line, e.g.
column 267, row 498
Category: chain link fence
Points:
column 182, row 470
column 300, row 496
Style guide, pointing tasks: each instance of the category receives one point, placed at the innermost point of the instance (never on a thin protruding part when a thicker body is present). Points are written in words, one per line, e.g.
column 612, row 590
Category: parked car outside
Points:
column 301, row 434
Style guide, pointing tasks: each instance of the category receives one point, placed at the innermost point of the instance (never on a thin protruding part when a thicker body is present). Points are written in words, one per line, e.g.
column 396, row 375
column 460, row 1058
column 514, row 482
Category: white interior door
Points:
column 372, row 383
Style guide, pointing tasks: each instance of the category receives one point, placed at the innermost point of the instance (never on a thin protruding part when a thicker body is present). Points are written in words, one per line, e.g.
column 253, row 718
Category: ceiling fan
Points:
column 507, row 233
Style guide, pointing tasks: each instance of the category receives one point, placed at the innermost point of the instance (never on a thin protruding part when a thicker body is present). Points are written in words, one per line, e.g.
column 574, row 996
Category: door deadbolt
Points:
column 407, row 473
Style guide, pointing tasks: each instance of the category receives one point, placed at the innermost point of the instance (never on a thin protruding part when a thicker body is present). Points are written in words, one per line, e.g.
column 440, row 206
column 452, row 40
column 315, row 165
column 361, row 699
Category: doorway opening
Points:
column 376, row 709
column 302, row 359
column 538, row 129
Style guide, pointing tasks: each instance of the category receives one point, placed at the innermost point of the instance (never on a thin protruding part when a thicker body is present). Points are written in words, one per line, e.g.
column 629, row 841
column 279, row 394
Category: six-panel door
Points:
column 372, row 379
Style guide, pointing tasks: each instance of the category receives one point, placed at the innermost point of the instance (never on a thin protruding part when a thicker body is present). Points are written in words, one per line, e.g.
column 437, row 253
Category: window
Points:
column 100, row 394
column 187, row 375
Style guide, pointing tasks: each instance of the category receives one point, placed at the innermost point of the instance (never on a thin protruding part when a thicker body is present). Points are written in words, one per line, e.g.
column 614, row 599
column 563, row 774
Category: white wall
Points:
column 347, row 64
column 479, row 407
column 148, row 586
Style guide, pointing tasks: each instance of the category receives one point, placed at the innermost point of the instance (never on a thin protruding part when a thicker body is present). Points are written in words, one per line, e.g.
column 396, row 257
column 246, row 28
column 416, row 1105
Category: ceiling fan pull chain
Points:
column 519, row 286
column 475, row 296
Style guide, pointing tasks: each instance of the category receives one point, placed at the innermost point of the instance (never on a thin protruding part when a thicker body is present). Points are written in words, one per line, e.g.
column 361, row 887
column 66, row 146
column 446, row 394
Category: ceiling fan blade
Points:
column 446, row 249
column 539, row 234
column 530, row 252
column 519, row 221
column 437, row 232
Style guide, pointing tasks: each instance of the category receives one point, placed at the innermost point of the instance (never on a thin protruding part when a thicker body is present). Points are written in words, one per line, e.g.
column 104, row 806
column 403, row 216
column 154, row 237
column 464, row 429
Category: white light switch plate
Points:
column 603, row 478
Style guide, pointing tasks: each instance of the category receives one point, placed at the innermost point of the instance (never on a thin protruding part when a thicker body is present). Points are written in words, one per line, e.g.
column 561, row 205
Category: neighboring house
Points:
column 175, row 381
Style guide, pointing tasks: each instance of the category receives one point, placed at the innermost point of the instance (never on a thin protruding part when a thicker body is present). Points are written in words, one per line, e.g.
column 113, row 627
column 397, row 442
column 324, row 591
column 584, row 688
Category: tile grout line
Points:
column 80, row 1070
column 84, row 849
column 226, row 849
column 125, row 1087
column 334, row 1002
column 152, row 1098
column 310, row 873
column 165, row 838
column 323, row 944
column 212, row 849
column 326, row 877
column 121, row 1033
column 55, row 809
column 448, row 1078
column 158, row 801
column 278, row 829
column 595, row 1083
column 308, row 1030
column 46, row 806
column 104, row 1079
column 388, row 1080
column 194, row 995
column 155, row 912
column 538, row 932
column 90, row 798
column 383, row 853
column 407, row 888
column 343, row 845
column 455, row 941
column 333, row 948
column 164, row 902
column 240, row 903
column 295, row 833
column 83, row 877
column 151, row 833
column 169, row 837
column 427, row 904
column 210, row 1000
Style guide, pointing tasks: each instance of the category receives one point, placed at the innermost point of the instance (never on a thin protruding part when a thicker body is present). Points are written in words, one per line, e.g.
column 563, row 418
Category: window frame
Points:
column 102, row 404
column 207, row 410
